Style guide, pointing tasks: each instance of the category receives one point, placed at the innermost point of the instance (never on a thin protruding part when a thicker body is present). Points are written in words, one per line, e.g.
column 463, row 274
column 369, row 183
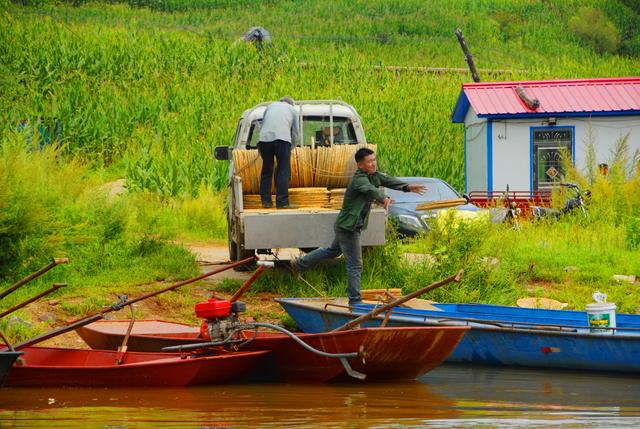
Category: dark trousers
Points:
column 279, row 150
column 346, row 243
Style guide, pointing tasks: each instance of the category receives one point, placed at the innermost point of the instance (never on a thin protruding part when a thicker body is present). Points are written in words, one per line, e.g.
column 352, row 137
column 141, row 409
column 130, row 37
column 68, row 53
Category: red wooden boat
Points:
column 49, row 367
column 386, row 353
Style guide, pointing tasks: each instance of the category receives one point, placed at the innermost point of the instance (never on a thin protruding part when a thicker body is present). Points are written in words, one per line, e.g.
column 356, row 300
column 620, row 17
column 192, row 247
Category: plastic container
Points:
column 602, row 317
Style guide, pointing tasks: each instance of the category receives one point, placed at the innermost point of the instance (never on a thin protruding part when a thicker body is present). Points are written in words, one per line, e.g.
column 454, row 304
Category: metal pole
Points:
column 120, row 305
column 55, row 287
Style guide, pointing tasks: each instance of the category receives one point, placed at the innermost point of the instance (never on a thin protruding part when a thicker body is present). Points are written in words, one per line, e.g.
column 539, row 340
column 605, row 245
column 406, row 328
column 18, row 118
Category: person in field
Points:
column 279, row 132
column 361, row 192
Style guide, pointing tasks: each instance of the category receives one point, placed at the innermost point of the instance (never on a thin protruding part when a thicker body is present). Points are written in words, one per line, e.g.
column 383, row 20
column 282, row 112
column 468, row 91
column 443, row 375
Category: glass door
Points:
column 549, row 147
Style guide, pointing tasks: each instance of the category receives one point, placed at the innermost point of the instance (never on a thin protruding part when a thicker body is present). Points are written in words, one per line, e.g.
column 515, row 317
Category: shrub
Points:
column 632, row 238
column 593, row 27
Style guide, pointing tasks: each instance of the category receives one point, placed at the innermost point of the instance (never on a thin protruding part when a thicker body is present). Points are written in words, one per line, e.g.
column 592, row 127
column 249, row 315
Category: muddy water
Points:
column 450, row 396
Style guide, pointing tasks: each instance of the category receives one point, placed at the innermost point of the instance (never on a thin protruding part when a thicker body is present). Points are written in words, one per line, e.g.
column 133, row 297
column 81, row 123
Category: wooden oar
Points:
column 123, row 347
column 41, row 271
column 398, row 301
column 119, row 305
column 53, row 288
column 262, row 265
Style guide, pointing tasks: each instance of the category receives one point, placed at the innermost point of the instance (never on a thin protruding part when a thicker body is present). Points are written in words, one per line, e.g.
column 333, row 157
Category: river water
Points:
column 449, row 396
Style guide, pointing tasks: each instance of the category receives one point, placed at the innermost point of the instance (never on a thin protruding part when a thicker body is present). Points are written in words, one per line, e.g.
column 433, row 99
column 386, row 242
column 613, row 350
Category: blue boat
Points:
column 499, row 335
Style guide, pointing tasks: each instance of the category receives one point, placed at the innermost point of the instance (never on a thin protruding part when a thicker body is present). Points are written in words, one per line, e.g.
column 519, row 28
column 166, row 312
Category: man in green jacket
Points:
column 363, row 189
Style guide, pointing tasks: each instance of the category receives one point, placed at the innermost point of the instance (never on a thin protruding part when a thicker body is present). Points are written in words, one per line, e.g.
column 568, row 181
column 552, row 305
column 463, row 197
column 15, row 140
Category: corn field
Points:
column 150, row 87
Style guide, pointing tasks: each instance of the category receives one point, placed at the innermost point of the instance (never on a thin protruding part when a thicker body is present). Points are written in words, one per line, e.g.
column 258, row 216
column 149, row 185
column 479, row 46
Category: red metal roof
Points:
column 555, row 96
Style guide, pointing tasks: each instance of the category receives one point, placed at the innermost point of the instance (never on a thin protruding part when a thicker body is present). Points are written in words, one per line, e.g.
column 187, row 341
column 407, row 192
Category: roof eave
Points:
column 557, row 114
column 461, row 109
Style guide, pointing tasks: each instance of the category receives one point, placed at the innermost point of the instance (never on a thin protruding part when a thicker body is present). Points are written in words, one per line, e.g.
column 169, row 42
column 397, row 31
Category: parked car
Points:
column 410, row 219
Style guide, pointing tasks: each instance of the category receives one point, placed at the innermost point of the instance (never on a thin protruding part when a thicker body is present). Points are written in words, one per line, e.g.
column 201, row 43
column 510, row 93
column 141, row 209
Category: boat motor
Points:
column 220, row 318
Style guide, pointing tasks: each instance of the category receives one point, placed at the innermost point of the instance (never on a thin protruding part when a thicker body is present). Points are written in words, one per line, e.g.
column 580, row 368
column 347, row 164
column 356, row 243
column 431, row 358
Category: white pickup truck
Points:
column 252, row 230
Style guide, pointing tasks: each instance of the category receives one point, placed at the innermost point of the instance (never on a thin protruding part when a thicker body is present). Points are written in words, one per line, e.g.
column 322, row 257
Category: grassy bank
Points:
column 117, row 242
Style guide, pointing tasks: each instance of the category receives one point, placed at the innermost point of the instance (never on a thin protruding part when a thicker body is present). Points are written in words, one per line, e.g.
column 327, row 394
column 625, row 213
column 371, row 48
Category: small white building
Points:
column 515, row 132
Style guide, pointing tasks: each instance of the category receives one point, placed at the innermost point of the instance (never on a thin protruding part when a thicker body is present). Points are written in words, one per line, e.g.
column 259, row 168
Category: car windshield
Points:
column 436, row 191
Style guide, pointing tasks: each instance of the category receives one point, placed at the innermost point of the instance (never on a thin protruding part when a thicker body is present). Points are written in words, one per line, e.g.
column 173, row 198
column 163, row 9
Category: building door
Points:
column 548, row 147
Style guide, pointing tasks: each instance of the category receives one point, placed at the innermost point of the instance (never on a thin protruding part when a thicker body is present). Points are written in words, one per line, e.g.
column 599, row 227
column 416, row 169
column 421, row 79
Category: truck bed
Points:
column 303, row 227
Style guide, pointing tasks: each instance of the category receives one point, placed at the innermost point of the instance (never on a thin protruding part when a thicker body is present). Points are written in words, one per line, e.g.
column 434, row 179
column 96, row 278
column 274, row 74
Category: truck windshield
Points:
column 317, row 128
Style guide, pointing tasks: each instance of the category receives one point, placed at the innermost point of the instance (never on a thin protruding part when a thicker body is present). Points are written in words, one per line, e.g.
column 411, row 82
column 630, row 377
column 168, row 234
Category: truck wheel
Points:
column 233, row 247
column 233, row 250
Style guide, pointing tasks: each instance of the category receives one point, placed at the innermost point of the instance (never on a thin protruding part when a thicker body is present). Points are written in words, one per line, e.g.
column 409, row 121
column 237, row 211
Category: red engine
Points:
column 213, row 308
column 221, row 318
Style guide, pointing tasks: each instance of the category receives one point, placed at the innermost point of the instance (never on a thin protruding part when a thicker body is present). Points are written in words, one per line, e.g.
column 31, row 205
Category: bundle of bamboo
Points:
column 430, row 205
column 335, row 198
column 301, row 197
column 326, row 167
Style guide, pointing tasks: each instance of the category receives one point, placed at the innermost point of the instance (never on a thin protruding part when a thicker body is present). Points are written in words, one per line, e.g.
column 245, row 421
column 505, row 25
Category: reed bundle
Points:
column 322, row 167
column 313, row 197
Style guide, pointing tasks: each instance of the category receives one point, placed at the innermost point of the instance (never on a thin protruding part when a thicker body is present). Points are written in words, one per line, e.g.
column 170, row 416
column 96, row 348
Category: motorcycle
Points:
column 577, row 203
column 513, row 212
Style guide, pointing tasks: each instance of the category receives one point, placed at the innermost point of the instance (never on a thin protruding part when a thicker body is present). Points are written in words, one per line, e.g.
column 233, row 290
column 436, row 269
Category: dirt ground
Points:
column 210, row 257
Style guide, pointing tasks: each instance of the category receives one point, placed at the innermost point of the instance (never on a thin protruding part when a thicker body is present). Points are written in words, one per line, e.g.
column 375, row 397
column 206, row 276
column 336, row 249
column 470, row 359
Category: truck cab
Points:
column 323, row 124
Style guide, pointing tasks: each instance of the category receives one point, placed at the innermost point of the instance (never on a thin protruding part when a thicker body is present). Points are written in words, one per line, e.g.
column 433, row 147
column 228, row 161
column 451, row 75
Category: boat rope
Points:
column 299, row 276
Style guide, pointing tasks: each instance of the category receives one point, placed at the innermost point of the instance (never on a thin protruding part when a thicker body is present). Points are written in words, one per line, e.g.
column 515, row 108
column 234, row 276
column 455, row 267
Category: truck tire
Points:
column 236, row 253
column 233, row 251
column 233, row 247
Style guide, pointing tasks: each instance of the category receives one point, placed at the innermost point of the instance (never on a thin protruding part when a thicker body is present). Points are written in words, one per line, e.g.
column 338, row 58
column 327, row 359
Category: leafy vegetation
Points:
column 159, row 89
column 593, row 26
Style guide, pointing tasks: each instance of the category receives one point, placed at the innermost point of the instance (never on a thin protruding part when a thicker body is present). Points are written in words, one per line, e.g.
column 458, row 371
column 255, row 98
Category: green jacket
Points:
column 364, row 189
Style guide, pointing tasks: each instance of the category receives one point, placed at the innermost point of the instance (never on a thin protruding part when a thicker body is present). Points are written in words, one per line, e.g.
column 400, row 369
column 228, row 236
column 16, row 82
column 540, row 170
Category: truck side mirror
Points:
column 222, row 153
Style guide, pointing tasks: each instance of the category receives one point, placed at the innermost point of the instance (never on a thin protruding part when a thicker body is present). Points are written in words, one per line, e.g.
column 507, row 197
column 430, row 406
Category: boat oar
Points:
column 41, row 271
column 121, row 304
column 398, row 301
column 53, row 288
column 123, row 347
column 262, row 265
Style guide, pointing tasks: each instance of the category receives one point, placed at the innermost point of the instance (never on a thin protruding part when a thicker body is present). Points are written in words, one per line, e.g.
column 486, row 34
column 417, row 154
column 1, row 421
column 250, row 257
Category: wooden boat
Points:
column 387, row 353
column 49, row 367
column 499, row 335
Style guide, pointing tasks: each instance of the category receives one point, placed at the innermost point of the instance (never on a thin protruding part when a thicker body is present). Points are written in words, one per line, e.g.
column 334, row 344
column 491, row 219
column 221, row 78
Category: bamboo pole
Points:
column 402, row 300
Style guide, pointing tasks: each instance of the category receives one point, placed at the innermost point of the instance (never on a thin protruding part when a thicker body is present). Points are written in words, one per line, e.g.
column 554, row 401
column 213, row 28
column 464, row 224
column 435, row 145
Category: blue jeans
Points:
column 345, row 243
column 281, row 151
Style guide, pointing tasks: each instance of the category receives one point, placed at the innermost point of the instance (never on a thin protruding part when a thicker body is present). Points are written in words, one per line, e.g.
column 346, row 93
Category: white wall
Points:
column 511, row 146
column 605, row 134
column 476, row 152
column 511, row 158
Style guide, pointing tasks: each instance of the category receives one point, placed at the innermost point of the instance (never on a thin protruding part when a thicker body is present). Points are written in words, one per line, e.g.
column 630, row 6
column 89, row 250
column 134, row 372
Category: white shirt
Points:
column 280, row 122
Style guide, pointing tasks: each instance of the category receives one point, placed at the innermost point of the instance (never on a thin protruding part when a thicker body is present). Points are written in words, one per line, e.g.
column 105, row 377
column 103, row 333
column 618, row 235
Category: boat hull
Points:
column 386, row 353
column 500, row 335
column 53, row 367
column 6, row 362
